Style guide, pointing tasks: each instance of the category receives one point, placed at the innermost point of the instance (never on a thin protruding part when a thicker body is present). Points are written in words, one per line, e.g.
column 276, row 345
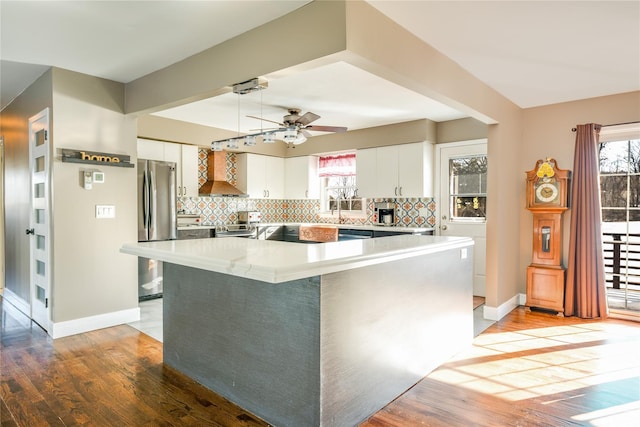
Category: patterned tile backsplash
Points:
column 223, row 210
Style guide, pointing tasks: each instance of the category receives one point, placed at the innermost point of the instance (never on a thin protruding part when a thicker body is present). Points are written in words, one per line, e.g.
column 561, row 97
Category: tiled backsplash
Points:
column 223, row 210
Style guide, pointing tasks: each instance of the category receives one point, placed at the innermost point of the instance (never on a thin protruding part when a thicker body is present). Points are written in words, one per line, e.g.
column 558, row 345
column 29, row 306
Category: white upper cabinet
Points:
column 366, row 176
column 150, row 150
column 189, row 171
column 399, row 171
column 301, row 178
column 185, row 157
column 261, row 177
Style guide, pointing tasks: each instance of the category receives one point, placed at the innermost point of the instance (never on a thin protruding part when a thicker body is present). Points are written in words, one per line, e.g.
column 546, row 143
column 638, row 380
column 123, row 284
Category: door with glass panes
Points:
column 619, row 162
column 39, row 225
column 462, row 201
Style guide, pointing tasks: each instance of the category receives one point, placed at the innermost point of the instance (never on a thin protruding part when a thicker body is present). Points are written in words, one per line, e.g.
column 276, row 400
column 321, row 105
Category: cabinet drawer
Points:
column 194, row 234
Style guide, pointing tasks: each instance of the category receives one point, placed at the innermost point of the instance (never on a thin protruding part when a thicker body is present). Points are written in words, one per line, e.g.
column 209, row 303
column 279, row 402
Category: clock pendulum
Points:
column 547, row 195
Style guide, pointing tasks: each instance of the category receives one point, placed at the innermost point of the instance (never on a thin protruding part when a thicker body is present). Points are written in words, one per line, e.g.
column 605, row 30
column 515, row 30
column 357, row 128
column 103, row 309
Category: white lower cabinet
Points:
column 301, row 178
column 261, row 177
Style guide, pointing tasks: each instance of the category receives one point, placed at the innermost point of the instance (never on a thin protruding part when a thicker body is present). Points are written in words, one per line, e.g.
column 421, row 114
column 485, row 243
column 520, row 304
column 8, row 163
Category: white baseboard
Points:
column 17, row 302
column 497, row 313
column 91, row 323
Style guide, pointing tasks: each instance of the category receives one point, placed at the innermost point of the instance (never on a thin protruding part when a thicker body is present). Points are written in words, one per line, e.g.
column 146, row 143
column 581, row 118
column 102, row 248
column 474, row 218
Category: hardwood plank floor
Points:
column 530, row 369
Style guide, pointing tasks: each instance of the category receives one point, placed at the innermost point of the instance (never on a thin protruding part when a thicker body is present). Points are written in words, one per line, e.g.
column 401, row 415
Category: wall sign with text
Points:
column 95, row 158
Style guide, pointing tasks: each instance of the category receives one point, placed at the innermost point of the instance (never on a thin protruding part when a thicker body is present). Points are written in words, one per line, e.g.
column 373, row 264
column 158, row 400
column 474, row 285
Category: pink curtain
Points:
column 585, row 289
column 340, row 165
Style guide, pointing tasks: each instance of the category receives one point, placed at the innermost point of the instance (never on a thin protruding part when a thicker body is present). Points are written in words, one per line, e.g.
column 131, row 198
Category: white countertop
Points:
column 275, row 261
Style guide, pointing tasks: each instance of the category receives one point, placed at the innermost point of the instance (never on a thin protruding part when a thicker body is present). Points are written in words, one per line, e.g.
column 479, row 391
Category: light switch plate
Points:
column 424, row 212
column 105, row 211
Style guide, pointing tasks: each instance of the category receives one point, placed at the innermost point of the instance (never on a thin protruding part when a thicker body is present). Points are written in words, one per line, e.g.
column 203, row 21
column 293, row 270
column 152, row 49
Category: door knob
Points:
column 444, row 227
column 30, row 231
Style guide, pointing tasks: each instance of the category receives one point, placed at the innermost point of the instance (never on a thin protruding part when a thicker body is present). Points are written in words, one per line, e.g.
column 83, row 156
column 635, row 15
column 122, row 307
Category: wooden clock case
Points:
column 546, row 275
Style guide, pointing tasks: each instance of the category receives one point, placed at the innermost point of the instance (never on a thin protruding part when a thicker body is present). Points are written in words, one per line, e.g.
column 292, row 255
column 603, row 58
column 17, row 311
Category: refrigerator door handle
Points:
column 152, row 205
column 145, row 202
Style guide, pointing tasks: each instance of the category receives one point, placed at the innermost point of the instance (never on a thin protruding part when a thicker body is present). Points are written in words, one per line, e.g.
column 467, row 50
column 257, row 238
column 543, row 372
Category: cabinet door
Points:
column 189, row 172
column 301, row 178
column 387, row 172
column 274, row 177
column 366, row 176
column 414, row 172
column 251, row 175
column 172, row 154
column 150, row 150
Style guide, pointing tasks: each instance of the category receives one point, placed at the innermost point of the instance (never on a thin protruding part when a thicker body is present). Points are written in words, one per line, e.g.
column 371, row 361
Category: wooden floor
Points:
column 530, row 369
column 477, row 301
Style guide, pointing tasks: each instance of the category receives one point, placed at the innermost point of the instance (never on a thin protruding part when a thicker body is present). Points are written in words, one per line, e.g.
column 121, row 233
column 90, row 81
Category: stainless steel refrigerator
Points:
column 156, row 219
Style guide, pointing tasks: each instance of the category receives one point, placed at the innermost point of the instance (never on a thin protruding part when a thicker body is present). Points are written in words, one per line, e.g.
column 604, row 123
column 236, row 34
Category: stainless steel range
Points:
column 248, row 231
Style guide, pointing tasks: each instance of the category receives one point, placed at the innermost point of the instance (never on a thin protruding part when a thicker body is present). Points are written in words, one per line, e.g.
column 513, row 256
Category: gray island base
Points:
column 326, row 350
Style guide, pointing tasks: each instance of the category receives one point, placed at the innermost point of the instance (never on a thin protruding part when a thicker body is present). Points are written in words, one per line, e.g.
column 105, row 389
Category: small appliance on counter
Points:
column 386, row 213
column 249, row 217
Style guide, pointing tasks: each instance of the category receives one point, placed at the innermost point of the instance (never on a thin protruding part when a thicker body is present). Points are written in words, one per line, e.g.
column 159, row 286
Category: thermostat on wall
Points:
column 98, row 177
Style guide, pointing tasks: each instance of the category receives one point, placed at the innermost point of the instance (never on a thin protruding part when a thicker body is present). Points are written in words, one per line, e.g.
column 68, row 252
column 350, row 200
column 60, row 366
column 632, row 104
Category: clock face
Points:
column 547, row 192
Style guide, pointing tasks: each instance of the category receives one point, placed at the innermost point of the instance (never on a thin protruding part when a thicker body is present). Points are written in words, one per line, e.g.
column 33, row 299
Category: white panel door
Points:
column 40, row 221
column 462, row 199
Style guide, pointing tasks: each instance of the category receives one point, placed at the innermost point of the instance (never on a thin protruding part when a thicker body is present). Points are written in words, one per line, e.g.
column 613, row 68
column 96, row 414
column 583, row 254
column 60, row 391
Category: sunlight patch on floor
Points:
column 545, row 361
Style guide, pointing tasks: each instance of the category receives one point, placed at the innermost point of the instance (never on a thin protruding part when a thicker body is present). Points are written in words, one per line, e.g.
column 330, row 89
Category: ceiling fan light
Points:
column 216, row 145
column 269, row 138
column 250, row 140
column 300, row 138
column 290, row 135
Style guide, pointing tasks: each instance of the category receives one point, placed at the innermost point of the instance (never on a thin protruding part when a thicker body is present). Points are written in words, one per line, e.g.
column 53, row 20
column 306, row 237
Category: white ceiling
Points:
column 532, row 52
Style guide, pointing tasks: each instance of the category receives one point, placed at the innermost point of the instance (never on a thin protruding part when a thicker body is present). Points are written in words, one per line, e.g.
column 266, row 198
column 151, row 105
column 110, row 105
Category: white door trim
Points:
column 40, row 219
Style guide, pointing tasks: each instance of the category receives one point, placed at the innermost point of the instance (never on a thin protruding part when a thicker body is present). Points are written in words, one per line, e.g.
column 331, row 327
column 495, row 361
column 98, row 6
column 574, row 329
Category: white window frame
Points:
column 325, row 212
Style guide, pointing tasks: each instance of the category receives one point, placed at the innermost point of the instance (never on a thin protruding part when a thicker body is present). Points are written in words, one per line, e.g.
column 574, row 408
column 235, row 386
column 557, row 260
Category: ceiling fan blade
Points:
column 266, row 120
column 305, row 133
column 326, row 128
column 264, row 129
column 307, row 118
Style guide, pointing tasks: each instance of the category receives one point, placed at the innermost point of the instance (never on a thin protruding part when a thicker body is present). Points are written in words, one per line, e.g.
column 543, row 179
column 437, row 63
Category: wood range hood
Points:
column 217, row 184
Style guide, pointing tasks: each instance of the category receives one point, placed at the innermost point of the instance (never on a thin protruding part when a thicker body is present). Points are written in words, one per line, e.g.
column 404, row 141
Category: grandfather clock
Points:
column 547, row 194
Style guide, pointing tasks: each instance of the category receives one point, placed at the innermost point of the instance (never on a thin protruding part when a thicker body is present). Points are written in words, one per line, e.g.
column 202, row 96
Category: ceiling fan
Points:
column 296, row 127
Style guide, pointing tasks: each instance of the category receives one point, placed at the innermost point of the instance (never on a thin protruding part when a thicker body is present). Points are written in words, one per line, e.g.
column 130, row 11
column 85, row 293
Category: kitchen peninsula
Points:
column 313, row 334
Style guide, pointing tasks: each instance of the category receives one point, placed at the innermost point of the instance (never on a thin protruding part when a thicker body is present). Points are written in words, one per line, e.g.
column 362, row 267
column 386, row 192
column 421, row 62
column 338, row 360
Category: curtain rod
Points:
column 612, row 124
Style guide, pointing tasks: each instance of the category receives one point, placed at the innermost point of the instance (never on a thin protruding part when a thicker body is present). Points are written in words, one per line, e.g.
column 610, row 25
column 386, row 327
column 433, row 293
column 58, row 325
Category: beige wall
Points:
column 461, row 130
column 14, row 127
column 547, row 133
column 91, row 276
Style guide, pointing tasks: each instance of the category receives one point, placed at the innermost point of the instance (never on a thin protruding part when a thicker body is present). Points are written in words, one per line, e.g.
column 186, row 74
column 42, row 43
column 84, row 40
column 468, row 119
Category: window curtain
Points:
column 340, row 165
column 585, row 295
